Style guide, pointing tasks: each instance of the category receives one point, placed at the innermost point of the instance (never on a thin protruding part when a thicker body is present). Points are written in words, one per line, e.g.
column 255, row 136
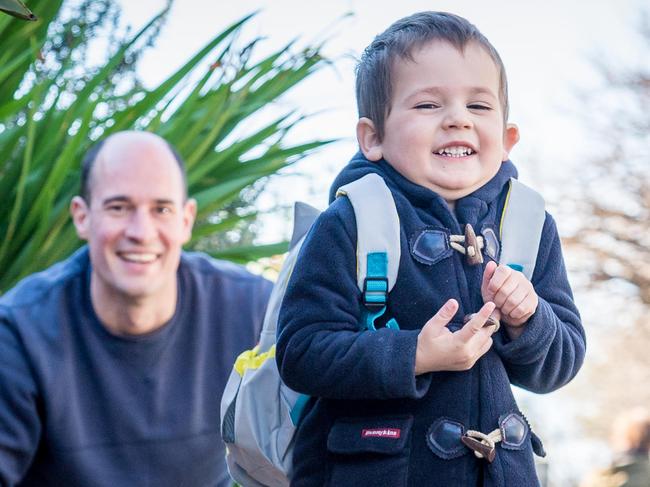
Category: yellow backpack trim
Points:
column 251, row 360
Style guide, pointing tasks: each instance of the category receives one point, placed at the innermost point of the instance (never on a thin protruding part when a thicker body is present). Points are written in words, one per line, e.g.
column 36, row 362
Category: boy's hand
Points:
column 439, row 349
column 513, row 295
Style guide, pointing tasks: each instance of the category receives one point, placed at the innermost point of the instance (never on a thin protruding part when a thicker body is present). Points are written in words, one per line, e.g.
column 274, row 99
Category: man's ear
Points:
column 80, row 216
column 189, row 215
column 510, row 138
column 369, row 139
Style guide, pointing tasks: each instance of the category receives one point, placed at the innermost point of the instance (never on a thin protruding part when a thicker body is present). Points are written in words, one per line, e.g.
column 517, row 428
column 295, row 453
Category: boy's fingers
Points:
column 505, row 293
column 484, row 348
column 475, row 325
column 487, row 276
column 526, row 307
column 444, row 315
column 513, row 301
column 499, row 277
column 496, row 314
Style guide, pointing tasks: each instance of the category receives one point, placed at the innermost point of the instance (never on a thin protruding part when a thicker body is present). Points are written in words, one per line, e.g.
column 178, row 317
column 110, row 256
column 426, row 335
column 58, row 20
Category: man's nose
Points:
column 457, row 117
column 141, row 226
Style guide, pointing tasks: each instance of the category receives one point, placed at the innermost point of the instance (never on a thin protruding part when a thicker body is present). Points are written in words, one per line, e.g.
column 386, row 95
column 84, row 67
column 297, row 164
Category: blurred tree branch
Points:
column 611, row 239
column 614, row 194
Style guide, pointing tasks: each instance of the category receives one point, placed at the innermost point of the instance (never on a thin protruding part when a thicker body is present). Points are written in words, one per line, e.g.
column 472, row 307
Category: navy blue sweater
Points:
column 80, row 406
column 372, row 421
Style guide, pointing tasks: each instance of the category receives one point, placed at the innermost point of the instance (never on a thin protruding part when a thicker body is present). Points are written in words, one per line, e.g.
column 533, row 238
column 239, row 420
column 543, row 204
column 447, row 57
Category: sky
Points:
column 548, row 49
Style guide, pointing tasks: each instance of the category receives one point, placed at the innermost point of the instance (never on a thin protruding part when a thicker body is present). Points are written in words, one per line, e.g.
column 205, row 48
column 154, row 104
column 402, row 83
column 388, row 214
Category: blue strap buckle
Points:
column 517, row 267
column 375, row 290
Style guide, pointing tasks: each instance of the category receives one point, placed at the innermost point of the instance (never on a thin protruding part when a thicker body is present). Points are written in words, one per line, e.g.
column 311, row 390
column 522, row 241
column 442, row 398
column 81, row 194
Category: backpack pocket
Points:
column 259, row 414
column 369, row 451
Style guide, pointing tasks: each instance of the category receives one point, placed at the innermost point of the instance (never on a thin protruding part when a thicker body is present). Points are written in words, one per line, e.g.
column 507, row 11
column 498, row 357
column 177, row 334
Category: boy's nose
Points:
column 457, row 118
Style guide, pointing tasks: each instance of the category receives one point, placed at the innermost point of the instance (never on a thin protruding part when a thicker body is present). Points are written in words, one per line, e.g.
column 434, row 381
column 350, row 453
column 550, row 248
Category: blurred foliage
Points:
column 54, row 104
column 613, row 197
column 611, row 244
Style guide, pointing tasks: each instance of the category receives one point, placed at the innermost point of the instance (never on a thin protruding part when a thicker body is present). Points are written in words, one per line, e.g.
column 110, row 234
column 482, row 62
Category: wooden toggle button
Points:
column 472, row 249
column 491, row 321
column 486, row 451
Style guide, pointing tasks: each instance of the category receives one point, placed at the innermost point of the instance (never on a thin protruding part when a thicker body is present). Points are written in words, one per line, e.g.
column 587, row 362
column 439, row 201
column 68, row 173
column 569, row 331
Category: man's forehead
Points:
column 134, row 146
column 137, row 166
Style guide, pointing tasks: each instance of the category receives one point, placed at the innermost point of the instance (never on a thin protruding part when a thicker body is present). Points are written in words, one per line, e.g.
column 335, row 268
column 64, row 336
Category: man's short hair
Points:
column 374, row 74
column 88, row 162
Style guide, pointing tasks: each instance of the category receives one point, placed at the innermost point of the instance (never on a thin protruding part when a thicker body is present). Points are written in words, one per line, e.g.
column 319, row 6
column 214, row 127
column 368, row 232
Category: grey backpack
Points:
column 259, row 413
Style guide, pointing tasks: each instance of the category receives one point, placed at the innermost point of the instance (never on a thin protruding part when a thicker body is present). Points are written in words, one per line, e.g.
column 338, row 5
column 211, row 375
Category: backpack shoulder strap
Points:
column 378, row 229
column 304, row 216
column 378, row 244
column 521, row 227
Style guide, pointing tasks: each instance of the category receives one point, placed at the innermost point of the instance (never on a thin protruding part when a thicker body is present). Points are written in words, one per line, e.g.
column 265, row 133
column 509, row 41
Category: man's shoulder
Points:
column 221, row 285
column 206, row 267
column 35, row 287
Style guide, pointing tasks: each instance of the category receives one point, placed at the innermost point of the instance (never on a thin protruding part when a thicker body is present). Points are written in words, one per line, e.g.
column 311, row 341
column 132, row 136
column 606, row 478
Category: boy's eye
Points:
column 478, row 106
column 426, row 106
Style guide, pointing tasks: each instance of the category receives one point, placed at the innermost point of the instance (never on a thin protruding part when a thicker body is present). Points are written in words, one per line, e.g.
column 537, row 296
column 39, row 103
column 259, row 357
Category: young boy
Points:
column 430, row 403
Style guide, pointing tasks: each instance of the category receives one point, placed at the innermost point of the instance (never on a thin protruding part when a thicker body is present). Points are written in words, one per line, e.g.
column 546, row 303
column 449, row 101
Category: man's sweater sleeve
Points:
column 321, row 350
column 551, row 349
column 20, row 426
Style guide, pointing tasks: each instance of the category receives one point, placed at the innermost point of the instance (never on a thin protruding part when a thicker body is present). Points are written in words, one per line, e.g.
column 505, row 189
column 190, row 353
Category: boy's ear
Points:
column 368, row 139
column 510, row 138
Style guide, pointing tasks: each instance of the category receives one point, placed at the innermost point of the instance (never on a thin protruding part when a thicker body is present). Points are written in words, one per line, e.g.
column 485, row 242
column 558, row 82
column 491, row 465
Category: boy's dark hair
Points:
column 90, row 157
column 374, row 71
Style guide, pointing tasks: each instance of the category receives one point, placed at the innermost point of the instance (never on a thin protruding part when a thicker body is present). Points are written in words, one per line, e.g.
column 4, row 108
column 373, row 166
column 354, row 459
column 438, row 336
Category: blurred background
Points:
column 263, row 110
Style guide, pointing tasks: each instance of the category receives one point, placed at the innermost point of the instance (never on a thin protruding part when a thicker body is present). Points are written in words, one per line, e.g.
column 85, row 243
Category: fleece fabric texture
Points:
column 369, row 418
column 80, row 406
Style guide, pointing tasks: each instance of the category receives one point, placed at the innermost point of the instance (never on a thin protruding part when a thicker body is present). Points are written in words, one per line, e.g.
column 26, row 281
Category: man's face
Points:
column 137, row 218
column 445, row 129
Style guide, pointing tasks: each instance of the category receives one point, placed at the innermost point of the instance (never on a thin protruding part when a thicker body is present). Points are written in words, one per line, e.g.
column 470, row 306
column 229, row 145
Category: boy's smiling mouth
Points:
column 455, row 150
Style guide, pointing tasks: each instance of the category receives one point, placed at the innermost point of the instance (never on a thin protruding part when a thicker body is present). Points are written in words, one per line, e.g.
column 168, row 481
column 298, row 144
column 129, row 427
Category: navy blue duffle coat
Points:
column 371, row 420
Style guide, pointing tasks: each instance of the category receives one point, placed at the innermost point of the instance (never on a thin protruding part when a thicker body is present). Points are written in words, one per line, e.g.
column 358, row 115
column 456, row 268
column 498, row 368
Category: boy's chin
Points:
column 457, row 188
column 452, row 192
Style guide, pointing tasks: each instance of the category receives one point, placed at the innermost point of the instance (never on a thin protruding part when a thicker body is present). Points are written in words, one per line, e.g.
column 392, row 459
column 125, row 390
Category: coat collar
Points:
column 417, row 195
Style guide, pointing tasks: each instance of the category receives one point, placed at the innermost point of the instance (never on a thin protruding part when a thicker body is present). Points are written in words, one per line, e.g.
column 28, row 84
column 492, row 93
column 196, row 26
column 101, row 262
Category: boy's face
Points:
column 445, row 129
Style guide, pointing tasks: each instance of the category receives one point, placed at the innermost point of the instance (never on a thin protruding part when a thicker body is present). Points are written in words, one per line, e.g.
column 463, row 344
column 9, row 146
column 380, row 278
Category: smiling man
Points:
column 113, row 362
column 135, row 214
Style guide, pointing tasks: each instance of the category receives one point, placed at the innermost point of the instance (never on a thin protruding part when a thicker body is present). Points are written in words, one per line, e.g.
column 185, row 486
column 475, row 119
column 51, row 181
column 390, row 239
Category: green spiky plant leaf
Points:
column 206, row 109
column 17, row 9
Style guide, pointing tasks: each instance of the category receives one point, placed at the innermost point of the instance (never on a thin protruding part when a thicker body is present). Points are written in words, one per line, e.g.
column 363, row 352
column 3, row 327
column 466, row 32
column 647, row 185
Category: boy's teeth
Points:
column 456, row 151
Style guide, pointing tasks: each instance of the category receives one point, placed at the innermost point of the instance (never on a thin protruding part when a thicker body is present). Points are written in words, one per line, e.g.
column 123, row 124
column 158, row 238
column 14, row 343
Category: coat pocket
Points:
column 369, row 451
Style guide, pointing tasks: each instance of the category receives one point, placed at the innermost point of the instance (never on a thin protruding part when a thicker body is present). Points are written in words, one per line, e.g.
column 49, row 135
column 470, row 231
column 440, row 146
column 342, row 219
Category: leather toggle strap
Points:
column 491, row 321
column 481, row 444
column 469, row 245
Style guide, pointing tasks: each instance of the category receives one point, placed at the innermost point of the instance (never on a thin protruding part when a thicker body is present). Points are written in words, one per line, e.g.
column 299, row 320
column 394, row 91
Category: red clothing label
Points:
column 381, row 433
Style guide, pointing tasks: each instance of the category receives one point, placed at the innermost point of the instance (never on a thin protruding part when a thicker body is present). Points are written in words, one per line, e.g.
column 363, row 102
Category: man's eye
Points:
column 163, row 210
column 117, row 209
column 477, row 106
